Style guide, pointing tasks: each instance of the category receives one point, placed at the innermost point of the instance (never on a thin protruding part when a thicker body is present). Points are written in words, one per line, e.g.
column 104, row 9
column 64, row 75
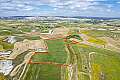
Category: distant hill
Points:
column 53, row 17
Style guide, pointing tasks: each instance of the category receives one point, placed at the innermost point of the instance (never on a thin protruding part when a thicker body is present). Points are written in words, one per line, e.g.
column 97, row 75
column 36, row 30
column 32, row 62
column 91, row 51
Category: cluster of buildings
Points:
column 5, row 65
column 11, row 39
column 5, row 53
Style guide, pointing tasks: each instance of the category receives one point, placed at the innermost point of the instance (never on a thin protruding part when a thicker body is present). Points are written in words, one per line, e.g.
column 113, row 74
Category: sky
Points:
column 93, row 8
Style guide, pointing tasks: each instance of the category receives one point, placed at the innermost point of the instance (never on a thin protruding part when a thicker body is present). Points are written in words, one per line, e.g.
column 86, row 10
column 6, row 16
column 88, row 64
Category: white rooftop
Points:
column 5, row 66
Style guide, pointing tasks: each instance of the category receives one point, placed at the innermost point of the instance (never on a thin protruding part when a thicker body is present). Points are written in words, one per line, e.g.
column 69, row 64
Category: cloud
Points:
column 118, row 2
column 56, row 6
column 109, row 10
column 62, row 4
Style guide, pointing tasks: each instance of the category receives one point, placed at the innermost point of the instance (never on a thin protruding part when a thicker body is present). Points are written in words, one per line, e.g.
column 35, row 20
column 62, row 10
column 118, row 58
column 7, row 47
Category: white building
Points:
column 11, row 39
column 101, row 29
column 40, row 50
column 50, row 32
column 33, row 30
column 111, row 29
column 6, row 66
column 5, row 53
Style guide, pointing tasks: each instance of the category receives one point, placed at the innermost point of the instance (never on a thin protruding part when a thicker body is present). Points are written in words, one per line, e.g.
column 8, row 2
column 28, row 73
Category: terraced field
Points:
column 56, row 54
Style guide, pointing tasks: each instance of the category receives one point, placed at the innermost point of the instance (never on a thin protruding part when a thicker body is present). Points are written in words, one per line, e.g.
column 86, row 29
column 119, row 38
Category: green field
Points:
column 43, row 72
column 5, row 46
column 96, row 33
column 56, row 52
column 97, row 41
column 108, row 61
column 109, row 65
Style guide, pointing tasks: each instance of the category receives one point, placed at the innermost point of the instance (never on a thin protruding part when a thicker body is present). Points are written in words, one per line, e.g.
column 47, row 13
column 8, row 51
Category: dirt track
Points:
column 26, row 60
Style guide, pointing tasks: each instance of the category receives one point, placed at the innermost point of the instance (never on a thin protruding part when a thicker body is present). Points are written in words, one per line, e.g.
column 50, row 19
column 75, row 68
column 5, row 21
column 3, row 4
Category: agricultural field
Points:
column 4, row 45
column 85, row 49
column 55, row 54
column 97, row 33
column 43, row 72
column 106, row 60
column 59, row 39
